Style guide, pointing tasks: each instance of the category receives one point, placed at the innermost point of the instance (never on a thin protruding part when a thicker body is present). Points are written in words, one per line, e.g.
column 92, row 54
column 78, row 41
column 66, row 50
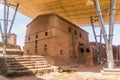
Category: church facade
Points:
column 53, row 36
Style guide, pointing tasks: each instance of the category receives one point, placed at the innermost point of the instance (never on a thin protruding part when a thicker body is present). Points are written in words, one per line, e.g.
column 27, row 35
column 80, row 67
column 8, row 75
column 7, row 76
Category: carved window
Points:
column 69, row 29
column 75, row 32
column 61, row 52
column 46, row 33
column 88, row 50
column 81, row 50
column 36, row 46
column 45, row 47
column 27, row 51
column 80, row 35
column 36, row 36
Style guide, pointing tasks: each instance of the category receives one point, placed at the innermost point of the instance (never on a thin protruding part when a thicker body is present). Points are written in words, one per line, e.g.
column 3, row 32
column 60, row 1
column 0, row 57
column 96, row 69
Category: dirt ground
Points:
column 78, row 72
column 21, row 78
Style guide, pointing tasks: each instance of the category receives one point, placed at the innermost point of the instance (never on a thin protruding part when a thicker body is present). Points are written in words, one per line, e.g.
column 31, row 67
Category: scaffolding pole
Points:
column 5, row 31
column 100, row 47
column 108, row 42
column 111, row 29
column 1, row 32
column 13, row 19
column 96, row 42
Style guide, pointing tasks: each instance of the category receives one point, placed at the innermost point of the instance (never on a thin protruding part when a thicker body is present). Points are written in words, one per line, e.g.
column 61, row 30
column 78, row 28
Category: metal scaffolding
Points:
column 98, row 44
column 108, row 40
column 6, row 29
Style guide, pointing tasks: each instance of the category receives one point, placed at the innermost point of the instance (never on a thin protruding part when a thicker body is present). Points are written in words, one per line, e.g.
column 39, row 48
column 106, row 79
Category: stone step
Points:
column 19, row 57
column 24, row 56
column 13, row 65
column 26, row 59
column 30, row 61
column 25, row 64
column 28, row 66
column 39, row 71
column 29, row 58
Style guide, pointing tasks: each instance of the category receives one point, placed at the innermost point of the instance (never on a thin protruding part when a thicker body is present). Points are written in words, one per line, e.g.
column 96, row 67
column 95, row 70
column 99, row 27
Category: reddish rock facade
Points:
column 53, row 36
column 12, row 38
column 115, row 49
column 12, row 47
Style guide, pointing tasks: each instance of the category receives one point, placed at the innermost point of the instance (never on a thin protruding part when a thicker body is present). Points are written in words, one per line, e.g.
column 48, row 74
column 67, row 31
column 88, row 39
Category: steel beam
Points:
column 5, row 30
column 13, row 18
column 1, row 32
column 108, row 42
column 100, row 47
column 96, row 42
column 111, row 29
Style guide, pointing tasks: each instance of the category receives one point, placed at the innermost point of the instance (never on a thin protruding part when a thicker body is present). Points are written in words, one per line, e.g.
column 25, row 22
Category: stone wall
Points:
column 51, row 35
column 116, row 52
column 12, row 38
column 12, row 49
column 86, row 54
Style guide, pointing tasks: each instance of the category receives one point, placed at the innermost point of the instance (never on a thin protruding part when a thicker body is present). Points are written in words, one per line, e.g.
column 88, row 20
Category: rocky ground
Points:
column 71, row 72
column 20, row 78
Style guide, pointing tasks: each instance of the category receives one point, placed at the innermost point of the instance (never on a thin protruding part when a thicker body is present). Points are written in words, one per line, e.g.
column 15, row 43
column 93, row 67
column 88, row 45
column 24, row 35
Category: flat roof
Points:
column 76, row 11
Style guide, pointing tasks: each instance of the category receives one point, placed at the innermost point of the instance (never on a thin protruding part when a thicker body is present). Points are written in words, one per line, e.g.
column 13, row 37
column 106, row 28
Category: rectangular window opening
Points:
column 80, row 35
column 46, row 33
column 75, row 32
column 61, row 52
column 36, row 36
column 69, row 29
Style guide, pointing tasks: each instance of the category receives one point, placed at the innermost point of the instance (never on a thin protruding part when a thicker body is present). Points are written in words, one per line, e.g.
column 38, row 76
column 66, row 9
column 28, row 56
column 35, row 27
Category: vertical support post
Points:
column 7, row 13
column 91, row 20
column 111, row 28
column 5, row 29
column 101, row 21
column 1, row 31
column 100, row 49
column 108, row 49
column 111, row 22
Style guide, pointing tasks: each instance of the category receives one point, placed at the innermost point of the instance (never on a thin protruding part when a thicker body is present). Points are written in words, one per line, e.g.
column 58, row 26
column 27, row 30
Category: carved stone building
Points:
column 103, row 56
column 12, row 47
column 12, row 38
column 53, row 36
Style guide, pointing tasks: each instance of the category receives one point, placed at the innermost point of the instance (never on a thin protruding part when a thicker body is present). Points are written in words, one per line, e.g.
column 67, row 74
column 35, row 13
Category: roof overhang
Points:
column 76, row 11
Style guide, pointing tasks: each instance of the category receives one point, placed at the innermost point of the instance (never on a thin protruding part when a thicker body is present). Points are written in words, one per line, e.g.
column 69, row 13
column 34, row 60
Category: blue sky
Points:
column 19, row 28
column 116, row 37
